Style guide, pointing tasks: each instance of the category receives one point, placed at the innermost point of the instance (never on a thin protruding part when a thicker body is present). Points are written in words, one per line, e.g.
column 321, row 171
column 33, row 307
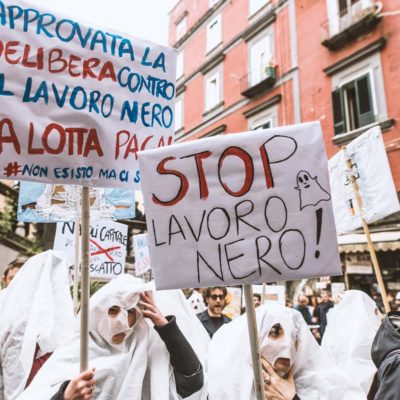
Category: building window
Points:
column 255, row 5
column 353, row 105
column 358, row 96
column 214, row 33
column 178, row 114
column 181, row 28
column 264, row 120
column 213, row 90
column 344, row 13
column 260, row 58
column 179, row 65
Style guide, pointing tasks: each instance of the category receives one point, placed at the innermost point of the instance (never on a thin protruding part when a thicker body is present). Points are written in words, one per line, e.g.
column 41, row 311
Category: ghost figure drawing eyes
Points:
column 310, row 191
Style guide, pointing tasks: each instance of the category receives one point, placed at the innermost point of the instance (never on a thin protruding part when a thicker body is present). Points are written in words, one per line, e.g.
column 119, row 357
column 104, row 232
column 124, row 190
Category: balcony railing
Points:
column 350, row 23
column 258, row 81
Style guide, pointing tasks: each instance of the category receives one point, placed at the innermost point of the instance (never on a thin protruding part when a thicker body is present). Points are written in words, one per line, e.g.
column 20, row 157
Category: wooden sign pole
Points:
column 254, row 344
column 85, row 279
column 371, row 248
column 76, row 267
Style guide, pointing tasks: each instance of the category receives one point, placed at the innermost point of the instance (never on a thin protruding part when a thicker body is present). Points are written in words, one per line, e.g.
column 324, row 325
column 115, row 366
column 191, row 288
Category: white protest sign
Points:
column 370, row 167
column 142, row 256
column 241, row 208
column 78, row 102
column 272, row 293
column 337, row 288
column 107, row 247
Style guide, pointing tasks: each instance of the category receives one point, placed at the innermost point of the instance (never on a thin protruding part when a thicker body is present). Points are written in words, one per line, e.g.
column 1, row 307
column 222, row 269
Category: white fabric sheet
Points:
column 315, row 376
column 36, row 309
column 352, row 326
column 141, row 369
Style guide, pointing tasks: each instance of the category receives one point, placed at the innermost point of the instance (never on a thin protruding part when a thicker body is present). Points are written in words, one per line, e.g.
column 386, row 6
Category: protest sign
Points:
column 233, row 301
column 371, row 170
column 142, row 256
column 107, row 247
column 241, row 208
column 271, row 293
column 43, row 202
column 78, row 102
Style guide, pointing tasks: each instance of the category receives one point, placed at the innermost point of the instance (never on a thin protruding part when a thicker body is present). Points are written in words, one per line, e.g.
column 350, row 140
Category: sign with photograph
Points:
column 44, row 202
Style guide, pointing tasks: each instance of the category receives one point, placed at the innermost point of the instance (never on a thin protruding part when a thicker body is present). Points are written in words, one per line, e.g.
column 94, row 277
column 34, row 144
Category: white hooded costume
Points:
column 315, row 376
column 37, row 308
column 351, row 329
column 138, row 368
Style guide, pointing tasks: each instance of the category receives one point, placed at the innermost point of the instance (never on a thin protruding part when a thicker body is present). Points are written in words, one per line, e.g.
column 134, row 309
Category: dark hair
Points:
column 258, row 295
column 207, row 292
column 17, row 263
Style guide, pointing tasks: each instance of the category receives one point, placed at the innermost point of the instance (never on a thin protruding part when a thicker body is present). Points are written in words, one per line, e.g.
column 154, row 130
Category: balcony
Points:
column 351, row 22
column 258, row 81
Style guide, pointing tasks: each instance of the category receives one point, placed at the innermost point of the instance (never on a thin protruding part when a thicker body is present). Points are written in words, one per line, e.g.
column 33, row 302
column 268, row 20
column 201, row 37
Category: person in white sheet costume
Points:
column 287, row 344
column 36, row 315
column 352, row 326
column 132, row 361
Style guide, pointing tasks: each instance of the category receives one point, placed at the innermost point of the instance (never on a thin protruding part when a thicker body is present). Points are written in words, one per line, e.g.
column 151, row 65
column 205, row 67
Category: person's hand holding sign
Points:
column 81, row 387
column 150, row 310
column 275, row 387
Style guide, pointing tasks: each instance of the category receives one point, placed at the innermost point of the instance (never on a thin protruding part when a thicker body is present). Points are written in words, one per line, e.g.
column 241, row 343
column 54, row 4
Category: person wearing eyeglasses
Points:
column 212, row 318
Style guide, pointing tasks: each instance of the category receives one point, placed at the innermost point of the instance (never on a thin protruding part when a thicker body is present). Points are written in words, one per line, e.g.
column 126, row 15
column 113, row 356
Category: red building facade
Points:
column 250, row 64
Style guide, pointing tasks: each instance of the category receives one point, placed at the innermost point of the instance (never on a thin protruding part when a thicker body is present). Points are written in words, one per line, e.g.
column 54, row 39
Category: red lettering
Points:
column 12, row 138
column 72, row 66
column 119, row 144
column 87, row 67
column 107, row 71
column 10, row 51
column 61, row 138
column 144, row 144
column 78, row 133
column 249, row 170
column 269, row 179
column 199, row 157
column 93, row 144
column 55, row 56
column 184, row 186
column 31, row 149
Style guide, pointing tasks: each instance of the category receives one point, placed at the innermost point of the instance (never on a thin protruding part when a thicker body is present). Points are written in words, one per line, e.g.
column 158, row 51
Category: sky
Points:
column 146, row 19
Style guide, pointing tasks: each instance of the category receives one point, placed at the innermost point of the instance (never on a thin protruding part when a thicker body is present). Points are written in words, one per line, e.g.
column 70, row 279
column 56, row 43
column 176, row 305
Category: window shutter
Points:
column 365, row 107
column 338, row 111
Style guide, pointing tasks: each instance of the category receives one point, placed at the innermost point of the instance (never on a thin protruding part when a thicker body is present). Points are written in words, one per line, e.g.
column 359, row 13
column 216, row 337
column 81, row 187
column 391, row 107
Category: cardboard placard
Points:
column 241, row 208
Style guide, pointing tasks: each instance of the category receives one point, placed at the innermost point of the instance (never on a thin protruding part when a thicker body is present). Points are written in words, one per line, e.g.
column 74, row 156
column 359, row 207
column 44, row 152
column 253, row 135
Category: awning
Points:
column 357, row 242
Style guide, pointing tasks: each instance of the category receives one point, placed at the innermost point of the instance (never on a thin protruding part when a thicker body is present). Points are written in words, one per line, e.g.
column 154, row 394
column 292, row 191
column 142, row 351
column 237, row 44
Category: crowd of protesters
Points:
column 151, row 345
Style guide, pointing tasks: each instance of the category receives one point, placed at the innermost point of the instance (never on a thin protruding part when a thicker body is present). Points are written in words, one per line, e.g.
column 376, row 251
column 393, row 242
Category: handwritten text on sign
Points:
column 371, row 171
column 107, row 247
column 250, row 207
column 142, row 256
column 77, row 103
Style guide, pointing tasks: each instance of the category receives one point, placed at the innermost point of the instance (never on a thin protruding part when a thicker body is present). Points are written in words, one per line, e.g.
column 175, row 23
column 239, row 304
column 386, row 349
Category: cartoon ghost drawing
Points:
column 310, row 191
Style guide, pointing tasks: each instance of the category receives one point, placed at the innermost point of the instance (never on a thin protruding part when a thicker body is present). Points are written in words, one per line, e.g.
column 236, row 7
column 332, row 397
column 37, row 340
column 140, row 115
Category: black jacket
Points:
column 188, row 371
column 212, row 324
column 387, row 360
